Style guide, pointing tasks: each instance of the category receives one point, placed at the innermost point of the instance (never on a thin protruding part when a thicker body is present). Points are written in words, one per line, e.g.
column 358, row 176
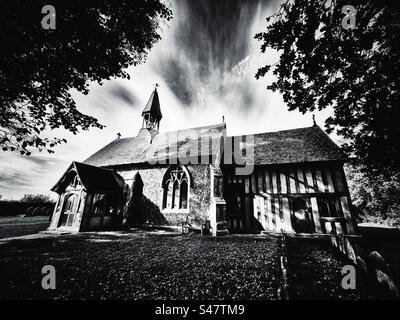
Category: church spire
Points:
column 152, row 112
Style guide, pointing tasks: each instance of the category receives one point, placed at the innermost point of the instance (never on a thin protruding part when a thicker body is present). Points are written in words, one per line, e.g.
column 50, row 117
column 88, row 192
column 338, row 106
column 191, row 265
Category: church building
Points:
column 289, row 181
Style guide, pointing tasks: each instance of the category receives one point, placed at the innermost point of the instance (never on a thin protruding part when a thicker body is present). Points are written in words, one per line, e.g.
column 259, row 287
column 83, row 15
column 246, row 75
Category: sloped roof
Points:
column 310, row 144
column 163, row 146
column 153, row 106
column 93, row 179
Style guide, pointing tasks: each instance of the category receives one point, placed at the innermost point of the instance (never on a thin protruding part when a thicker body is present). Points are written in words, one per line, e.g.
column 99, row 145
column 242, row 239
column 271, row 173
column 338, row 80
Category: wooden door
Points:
column 234, row 197
column 69, row 210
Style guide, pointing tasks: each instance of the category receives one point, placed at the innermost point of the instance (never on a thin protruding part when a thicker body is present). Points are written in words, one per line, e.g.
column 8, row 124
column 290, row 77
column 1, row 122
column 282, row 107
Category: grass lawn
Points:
column 15, row 226
column 315, row 273
column 142, row 265
column 162, row 265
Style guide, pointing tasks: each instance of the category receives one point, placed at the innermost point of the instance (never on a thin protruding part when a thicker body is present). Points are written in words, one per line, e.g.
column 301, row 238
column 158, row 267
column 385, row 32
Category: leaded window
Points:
column 175, row 189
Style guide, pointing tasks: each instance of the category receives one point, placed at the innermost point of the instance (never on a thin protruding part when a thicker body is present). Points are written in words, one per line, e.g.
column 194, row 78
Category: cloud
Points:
column 208, row 49
column 120, row 92
column 205, row 64
column 22, row 174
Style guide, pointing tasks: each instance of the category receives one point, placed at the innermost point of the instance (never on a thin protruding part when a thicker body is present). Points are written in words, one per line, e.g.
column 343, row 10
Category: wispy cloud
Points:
column 22, row 174
column 205, row 65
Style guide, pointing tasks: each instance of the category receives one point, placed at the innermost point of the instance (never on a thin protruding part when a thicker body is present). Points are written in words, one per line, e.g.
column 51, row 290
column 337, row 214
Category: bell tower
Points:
column 152, row 112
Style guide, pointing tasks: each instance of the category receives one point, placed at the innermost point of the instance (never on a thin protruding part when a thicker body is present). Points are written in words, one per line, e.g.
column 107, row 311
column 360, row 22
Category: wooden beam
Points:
column 292, row 181
column 320, row 182
column 347, row 215
column 287, row 223
column 283, row 182
column 315, row 213
column 310, row 181
column 267, row 180
column 300, row 177
column 274, row 182
column 329, row 180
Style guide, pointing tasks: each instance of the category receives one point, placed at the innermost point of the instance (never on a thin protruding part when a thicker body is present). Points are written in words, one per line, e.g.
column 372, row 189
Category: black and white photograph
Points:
column 198, row 156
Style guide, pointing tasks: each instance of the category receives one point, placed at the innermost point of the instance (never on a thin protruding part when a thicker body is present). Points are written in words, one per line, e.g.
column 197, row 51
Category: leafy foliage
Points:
column 376, row 197
column 29, row 202
column 93, row 41
column 356, row 71
column 36, row 199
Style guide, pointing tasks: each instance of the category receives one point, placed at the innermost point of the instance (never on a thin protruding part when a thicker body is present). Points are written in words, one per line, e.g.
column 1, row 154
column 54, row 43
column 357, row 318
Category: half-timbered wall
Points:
column 270, row 191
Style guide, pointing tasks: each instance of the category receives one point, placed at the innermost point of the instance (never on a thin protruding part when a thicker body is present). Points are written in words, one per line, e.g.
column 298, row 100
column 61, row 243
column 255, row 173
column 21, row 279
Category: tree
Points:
column 354, row 71
column 376, row 197
column 92, row 41
column 36, row 199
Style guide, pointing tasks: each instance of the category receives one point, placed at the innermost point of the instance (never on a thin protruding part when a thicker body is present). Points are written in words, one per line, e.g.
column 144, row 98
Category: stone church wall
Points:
column 200, row 192
column 152, row 176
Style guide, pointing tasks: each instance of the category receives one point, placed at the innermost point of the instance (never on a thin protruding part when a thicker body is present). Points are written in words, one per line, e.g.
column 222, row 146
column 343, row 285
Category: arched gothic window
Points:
column 175, row 189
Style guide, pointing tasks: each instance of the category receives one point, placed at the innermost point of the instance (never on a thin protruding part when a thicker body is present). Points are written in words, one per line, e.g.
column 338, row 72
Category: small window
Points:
column 70, row 203
column 99, row 204
column 300, row 209
column 329, row 208
column 221, row 212
column 218, row 183
column 176, row 195
column 302, row 218
column 184, row 194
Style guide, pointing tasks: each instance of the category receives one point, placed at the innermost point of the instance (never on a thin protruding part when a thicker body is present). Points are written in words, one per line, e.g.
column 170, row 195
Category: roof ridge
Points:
column 220, row 124
column 279, row 131
column 90, row 165
column 271, row 147
column 165, row 132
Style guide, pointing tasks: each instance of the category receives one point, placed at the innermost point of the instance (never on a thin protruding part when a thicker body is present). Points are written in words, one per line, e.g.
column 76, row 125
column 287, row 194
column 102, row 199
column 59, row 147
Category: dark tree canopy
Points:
column 354, row 71
column 376, row 197
column 93, row 41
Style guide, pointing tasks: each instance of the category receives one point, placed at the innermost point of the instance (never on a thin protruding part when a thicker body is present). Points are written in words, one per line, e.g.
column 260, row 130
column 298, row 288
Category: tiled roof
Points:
column 163, row 146
column 94, row 179
column 310, row 144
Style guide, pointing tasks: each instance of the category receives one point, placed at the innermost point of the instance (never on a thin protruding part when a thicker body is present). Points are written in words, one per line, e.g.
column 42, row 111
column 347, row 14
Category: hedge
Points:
column 13, row 208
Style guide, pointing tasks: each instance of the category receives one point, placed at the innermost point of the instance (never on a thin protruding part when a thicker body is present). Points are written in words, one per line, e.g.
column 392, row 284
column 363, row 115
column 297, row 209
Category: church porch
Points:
column 90, row 198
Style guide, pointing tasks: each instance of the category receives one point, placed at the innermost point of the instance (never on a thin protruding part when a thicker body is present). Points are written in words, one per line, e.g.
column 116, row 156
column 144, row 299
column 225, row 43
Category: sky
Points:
column 205, row 66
